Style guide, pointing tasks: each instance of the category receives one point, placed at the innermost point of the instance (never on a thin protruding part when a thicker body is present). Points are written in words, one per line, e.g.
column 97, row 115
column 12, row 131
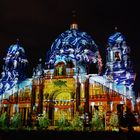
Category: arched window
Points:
column 117, row 56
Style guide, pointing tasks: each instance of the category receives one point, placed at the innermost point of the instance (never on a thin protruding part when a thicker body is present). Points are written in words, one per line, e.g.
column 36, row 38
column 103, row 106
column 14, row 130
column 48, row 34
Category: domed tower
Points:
column 119, row 67
column 74, row 49
column 14, row 67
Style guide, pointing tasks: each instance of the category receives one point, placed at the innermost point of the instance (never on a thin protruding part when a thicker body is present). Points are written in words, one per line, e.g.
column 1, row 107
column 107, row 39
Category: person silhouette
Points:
column 130, row 119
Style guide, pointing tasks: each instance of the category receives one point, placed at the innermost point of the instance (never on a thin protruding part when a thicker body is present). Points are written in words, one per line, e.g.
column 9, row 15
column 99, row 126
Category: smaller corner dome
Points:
column 117, row 37
column 16, row 48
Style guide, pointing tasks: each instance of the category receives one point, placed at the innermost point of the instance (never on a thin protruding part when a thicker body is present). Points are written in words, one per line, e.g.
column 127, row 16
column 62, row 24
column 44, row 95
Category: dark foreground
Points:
column 62, row 135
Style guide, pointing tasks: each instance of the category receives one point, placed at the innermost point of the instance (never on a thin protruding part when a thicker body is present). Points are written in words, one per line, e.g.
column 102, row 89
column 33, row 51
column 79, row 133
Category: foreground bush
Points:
column 43, row 121
column 97, row 123
column 16, row 121
column 4, row 120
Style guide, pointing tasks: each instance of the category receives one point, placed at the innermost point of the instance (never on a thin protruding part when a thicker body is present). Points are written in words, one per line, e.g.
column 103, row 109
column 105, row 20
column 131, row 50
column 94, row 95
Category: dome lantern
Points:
column 74, row 24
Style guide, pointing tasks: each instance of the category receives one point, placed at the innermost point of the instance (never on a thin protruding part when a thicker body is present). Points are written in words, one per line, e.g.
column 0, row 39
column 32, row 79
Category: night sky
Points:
column 37, row 23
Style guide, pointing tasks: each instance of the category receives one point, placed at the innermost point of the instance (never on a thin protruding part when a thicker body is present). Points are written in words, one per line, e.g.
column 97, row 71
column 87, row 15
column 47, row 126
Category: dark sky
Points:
column 37, row 23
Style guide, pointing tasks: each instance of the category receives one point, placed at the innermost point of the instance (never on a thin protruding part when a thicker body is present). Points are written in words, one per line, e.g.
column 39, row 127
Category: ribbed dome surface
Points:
column 76, row 46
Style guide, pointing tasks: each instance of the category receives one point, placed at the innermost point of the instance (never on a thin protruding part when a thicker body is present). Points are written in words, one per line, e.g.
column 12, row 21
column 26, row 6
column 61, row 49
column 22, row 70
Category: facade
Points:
column 66, row 85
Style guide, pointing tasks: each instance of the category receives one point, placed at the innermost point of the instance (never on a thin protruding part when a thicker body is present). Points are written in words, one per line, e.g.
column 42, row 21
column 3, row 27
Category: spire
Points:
column 116, row 28
column 74, row 21
column 17, row 41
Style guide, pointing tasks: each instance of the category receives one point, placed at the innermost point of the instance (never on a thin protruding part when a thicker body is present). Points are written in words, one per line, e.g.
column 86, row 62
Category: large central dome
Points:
column 76, row 46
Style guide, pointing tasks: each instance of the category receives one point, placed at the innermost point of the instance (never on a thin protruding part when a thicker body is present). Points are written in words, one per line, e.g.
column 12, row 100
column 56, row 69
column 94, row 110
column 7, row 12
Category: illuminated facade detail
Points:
column 65, row 86
column 119, row 66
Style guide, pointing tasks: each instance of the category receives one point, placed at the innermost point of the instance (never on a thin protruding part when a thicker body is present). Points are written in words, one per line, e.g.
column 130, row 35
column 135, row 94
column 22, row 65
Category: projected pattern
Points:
column 119, row 67
column 76, row 46
column 14, row 68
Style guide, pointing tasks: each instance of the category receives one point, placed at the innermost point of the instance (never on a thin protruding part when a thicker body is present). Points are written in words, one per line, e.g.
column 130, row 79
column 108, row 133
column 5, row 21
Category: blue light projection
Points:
column 76, row 46
column 14, row 67
column 119, row 67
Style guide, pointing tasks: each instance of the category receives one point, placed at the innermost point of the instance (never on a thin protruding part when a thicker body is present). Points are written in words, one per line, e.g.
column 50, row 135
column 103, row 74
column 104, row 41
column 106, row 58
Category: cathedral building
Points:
column 67, row 84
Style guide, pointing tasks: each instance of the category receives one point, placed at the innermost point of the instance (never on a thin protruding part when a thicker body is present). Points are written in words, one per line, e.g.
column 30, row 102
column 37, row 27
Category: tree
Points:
column 44, row 121
column 4, row 120
column 97, row 122
column 62, row 123
column 77, row 123
column 114, row 121
column 16, row 121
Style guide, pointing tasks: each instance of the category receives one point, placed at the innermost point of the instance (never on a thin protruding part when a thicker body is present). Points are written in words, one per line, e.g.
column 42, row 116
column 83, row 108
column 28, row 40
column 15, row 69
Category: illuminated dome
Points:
column 115, row 38
column 15, row 56
column 14, row 68
column 76, row 46
column 16, row 49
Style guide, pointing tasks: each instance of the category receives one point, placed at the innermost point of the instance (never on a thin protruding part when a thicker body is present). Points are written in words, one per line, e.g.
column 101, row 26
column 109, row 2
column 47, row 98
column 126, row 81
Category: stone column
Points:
column 40, row 102
column 87, row 95
column 87, row 115
column 78, row 85
column 33, row 95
